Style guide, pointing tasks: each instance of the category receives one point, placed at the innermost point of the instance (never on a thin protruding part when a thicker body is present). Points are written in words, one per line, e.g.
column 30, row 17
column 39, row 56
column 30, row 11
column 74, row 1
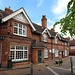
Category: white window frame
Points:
column 15, row 50
column 45, row 37
column 66, row 52
column 23, row 29
column 56, row 53
column 45, row 53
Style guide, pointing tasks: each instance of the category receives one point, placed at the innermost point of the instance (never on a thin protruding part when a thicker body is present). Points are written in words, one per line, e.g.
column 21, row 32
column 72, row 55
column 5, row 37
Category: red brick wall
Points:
column 35, row 55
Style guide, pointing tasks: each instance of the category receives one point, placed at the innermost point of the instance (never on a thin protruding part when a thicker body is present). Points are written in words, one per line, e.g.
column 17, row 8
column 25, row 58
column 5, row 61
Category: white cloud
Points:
column 61, row 16
column 40, row 2
column 60, row 6
column 50, row 21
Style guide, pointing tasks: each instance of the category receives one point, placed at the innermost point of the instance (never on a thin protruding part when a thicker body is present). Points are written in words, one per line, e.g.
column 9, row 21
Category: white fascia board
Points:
column 47, row 32
column 58, row 36
column 17, row 12
column 44, row 30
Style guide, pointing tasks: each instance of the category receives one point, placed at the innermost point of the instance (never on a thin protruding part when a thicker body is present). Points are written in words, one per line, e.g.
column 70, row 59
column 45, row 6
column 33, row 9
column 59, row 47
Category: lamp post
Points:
column 2, row 38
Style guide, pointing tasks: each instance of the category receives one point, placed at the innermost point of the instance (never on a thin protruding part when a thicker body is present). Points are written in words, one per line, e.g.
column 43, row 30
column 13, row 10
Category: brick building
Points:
column 72, row 47
column 24, row 41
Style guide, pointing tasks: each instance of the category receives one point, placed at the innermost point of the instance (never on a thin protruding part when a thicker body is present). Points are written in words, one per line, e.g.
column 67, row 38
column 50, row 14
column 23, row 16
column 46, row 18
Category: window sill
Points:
column 18, row 61
column 20, row 35
column 46, row 58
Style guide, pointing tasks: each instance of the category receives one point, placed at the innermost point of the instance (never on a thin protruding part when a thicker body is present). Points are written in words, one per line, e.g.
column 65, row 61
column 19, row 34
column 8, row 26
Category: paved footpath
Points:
column 42, row 69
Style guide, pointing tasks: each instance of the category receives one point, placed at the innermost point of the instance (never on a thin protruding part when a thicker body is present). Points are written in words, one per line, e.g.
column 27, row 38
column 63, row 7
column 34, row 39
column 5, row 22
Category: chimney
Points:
column 44, row 21
column 68, row 38
column 8, row 10
column 52, row 30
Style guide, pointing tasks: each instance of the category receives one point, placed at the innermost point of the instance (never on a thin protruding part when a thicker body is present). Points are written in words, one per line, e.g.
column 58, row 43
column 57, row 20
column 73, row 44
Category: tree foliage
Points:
column 68, row 23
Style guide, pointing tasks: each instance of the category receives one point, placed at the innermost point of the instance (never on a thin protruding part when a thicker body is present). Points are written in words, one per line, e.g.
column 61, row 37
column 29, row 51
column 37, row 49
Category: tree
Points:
column 67, row 24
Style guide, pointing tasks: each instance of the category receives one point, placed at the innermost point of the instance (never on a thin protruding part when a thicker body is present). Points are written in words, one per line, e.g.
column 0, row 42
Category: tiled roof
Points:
column 39, row 29
column 37, row 44
column 52, row 33
column 62, row 38
column 72, row 43
column 3, row 13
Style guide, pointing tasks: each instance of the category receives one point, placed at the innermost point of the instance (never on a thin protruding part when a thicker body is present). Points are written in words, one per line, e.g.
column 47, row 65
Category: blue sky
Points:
column 53, row 9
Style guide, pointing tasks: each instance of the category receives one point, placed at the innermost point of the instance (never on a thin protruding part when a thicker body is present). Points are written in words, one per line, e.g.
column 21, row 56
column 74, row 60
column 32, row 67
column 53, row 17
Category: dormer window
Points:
column 45, row 38
column 56, row 40
column 20, row 29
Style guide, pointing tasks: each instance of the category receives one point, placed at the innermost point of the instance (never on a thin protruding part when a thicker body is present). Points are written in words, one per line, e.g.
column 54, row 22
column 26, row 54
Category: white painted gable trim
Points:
column 47, row 32
column 17, row 12
column 58, row 36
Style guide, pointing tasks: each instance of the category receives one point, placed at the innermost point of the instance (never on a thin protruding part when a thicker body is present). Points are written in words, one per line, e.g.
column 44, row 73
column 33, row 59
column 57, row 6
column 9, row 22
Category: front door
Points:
column 39, row 56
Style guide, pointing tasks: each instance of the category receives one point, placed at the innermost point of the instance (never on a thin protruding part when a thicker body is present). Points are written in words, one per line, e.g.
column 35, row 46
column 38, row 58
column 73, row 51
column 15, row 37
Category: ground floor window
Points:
column 45, row 53
column 18, row 53
column 65, row 52
column 56, row 53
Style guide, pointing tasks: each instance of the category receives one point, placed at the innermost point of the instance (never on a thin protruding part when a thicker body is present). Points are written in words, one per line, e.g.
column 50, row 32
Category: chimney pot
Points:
column 8, row 10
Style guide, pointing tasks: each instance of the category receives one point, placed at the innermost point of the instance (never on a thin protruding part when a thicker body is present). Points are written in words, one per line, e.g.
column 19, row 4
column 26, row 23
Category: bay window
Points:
column 20, row 29
column 18, row 53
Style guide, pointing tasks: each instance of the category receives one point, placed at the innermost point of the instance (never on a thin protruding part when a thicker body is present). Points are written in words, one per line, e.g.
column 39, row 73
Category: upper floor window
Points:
column 20, row 29
column 56, row 40
column 45, row 38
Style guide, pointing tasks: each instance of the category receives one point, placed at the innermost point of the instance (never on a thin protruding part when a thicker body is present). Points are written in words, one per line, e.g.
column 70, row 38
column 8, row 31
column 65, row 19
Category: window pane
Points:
column 19, row 47
column 12, row 47
column 16, row 30
column 11, row 54
column 25, row 54
column 20, row 31
column 24, row 27
column 24, row 32
column 56, row 53
column 16, row 24
column 25, row 48
column 45, row 53
column 19, row 54
column 20, row 25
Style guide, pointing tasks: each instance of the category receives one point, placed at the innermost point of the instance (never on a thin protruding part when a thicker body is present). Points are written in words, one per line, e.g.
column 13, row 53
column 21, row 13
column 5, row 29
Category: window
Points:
column 45, row 53
column 45, row 37
column 56, row 53
column 65, row 52
column 65, row 43
column 20, row 29
column 56, row 40
column 72, row 47
column 18, row 53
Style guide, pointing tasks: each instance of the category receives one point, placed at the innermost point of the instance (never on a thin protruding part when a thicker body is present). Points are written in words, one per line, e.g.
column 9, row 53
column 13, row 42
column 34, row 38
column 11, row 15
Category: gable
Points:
column 21, row 17
column 46, row 31
column 21, row 10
